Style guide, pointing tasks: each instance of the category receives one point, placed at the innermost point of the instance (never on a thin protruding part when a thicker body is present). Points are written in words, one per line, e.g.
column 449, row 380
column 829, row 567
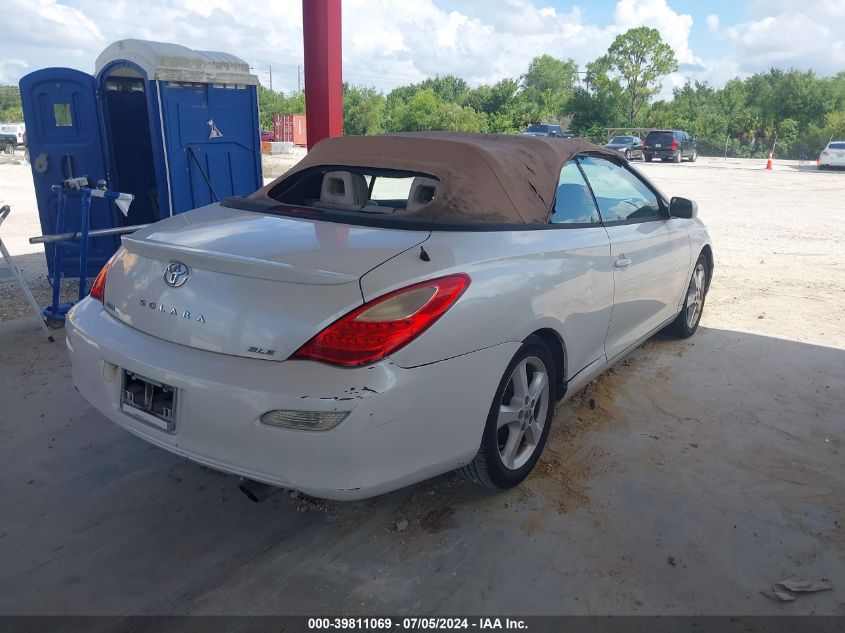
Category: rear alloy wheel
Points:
column 519, row 419
column 677, row 157
column 693, row 156
column 686, row 323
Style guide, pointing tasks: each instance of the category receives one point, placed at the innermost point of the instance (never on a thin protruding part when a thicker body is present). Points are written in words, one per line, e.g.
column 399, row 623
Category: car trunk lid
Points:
column 257, row 285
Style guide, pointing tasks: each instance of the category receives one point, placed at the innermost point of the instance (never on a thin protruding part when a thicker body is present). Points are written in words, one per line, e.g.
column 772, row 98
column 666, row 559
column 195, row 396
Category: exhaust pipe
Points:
column 257, row 491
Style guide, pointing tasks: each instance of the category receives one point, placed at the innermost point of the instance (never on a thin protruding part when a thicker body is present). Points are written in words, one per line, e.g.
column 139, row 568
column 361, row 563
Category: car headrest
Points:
column 344, row 187
column 423, row 190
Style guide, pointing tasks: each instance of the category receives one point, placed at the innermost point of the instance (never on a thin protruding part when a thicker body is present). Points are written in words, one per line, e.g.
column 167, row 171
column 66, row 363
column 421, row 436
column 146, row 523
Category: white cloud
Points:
column 674, row 27
column 11, row 69
column 388, row 43
column 813, row 42
column 416, row 40
column 713, row 22
column 47, row 23
column 809, row 35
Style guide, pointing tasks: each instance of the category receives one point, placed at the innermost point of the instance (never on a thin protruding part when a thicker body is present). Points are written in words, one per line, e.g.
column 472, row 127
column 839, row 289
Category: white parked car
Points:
column 833, row 155
column 392, row 308
column 18, row 129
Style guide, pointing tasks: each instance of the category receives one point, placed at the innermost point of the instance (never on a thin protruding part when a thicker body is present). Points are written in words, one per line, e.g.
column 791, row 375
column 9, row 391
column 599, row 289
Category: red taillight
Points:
column 383, row 325
column 674, row 144
column 98, row 288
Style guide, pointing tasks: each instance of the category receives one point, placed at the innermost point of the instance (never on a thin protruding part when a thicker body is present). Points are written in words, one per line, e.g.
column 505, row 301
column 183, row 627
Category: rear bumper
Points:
column 404, row 425
column 832, row 162
column 662, row 153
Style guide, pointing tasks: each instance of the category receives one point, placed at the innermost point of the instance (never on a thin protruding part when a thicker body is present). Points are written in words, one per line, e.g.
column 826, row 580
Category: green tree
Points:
column 426, row 111
column 492, row 99
column 549, row 84
column 639, row 58
column 363, row 111
column 597, row 103
column 10, row 105
column 270, row 103
column 447, row 88
column 787, row 135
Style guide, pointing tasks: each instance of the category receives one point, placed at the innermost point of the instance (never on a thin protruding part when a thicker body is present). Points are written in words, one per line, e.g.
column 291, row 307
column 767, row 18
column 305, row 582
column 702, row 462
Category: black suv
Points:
column 8, row 143
column 669, row 145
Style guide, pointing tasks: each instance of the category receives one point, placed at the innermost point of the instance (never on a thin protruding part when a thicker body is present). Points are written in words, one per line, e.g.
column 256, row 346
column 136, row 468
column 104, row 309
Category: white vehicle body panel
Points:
column 267, row 282
column 256, row 281
column 18, row 129
column 833, row 156
column 405, row 425
column 651, row 267
column 522, row 281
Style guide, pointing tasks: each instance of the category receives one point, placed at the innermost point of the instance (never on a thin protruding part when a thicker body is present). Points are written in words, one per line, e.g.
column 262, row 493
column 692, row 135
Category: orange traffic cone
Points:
column 769, row 162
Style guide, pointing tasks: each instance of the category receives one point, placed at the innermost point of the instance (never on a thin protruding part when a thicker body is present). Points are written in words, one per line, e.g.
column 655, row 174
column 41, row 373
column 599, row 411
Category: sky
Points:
column 387, row 43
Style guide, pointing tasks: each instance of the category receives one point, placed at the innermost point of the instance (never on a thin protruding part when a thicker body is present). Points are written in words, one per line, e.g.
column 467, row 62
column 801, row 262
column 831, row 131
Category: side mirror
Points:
column 683, row 208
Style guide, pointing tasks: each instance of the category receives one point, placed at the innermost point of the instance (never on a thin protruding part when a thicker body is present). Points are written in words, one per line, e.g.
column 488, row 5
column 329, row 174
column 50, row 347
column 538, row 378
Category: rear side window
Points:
column 573, row 202
column 660, row 137
column 621, row 196
column 837, row 146
column 372, row 191
column 390, row 189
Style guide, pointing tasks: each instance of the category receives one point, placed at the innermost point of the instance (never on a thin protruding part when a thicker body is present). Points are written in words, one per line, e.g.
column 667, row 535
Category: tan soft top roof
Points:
column 484, row 178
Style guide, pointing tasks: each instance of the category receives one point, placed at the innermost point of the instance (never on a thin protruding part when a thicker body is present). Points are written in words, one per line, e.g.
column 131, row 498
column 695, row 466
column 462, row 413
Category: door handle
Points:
column 622, row 262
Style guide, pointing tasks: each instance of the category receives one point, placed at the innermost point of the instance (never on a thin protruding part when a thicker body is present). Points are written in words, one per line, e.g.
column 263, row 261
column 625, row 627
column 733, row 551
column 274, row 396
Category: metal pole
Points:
column 4, row 212
column 59, row 237
column 57, row 259
column 321, row 34
column 83, row 246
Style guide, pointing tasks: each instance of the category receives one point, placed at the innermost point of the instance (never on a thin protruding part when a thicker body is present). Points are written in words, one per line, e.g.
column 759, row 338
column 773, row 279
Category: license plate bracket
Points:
column 151, row 401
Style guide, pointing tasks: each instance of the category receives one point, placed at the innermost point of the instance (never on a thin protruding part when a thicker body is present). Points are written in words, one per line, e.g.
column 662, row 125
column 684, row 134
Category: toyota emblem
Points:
column 176, row 274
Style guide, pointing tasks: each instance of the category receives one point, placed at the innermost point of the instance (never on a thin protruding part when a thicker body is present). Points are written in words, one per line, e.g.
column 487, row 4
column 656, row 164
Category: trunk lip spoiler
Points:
column 237, row 265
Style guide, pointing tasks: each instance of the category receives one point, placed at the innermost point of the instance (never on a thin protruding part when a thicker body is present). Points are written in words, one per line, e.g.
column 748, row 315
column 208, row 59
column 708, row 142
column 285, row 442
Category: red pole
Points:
column 323, row 78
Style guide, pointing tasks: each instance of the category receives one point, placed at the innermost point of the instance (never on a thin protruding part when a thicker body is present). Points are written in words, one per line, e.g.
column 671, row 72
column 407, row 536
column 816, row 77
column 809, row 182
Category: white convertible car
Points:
column 392, row 308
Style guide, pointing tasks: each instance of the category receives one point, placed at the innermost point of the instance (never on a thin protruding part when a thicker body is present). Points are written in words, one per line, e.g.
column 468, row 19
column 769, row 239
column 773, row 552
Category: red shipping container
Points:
column 290, row 128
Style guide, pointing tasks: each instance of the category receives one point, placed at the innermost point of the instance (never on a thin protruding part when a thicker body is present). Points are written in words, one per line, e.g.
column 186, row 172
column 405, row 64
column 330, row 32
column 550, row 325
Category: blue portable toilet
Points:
column 175, row 127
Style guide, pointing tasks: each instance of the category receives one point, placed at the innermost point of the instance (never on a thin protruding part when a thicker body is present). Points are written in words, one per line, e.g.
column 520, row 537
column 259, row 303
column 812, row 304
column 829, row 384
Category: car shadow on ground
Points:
column 687, row 479
column 814, row 168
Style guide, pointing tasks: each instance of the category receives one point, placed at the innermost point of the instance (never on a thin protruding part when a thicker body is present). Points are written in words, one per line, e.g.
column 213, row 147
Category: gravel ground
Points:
column 687, row 480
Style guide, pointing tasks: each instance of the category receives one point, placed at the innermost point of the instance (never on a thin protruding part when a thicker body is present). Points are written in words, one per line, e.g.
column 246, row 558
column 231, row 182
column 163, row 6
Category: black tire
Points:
column 9, row 148
column 487, row 468
column 681, row 326
column 693, row 156
column 677, row 157
column 647, row 158
column 627, row 154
